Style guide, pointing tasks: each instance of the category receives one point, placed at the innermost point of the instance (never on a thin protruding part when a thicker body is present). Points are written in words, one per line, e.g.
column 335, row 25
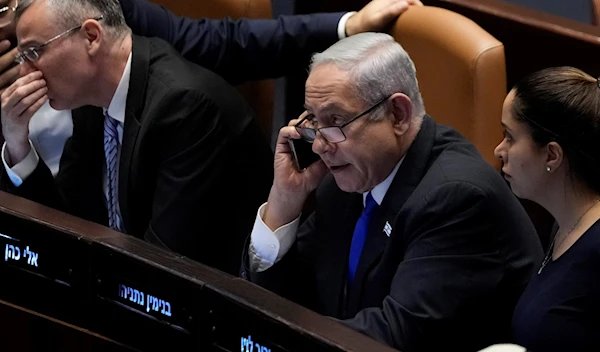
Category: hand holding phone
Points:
column 302, row 153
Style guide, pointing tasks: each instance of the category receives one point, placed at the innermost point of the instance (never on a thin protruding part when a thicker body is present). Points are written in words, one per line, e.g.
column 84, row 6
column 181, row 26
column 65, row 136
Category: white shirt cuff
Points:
column 24, row 168
column 342, row 24
column 268, row 247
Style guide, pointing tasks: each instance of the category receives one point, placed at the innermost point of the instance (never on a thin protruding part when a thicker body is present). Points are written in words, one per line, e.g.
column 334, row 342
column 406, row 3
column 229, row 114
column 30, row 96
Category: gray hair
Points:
column 71, row 13
column 379, row 66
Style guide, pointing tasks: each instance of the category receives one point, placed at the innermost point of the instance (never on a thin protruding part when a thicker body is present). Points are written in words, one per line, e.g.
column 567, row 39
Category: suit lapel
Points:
column 409, row 175
column 133, row 113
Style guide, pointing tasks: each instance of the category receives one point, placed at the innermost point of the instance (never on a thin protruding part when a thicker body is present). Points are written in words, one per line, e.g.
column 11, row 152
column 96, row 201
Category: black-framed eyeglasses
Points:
column 7, row 13
column 332, row 134
column 33, row 52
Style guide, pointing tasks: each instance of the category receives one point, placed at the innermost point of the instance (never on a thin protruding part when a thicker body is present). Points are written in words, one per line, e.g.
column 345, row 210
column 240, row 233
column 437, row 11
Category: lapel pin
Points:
column 387, row 228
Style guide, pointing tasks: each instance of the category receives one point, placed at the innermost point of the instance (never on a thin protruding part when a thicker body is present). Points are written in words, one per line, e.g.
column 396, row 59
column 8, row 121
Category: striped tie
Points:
column 111, row 143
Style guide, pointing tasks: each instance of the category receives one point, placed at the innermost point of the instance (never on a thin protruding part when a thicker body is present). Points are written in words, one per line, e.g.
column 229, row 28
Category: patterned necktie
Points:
column 360, row 235
column 111, row 144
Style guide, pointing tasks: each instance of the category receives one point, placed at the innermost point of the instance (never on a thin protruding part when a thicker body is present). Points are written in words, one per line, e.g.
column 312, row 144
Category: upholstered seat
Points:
column 461, row 71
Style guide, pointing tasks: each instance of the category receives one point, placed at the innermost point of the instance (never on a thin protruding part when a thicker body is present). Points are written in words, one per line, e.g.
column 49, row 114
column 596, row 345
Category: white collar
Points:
column 116, row 109
column 379, row 191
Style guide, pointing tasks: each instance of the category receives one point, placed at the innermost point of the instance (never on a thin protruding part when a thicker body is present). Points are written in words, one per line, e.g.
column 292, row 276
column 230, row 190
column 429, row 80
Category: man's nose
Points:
column 26, row 68
column 321, row 145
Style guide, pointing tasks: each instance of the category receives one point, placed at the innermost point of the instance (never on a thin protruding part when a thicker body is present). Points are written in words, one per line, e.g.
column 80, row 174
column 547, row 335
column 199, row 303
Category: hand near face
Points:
column 8, row 72
column 378, row 15
column 19, row 102
column 290, row 187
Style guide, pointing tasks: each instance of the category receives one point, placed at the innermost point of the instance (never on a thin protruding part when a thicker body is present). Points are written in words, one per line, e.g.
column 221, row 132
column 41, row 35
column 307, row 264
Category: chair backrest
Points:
column 259, row 94
column 461, row 71
column 596, row 12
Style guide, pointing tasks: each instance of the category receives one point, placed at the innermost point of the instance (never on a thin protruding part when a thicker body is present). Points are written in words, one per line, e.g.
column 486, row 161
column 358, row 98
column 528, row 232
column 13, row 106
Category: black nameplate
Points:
column 40, row 250
column 144, row 289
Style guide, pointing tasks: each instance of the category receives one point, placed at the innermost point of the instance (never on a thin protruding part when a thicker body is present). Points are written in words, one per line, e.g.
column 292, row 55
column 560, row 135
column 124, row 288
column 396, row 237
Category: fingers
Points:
column 9, row 77
column 23, row 81
column 37, row 104
column 376, row 16
column 414, row 2
column 395, row 10
column 7, row 59
column 285, row 134
column 295, row 121
column 4, row 45
column 27, row 104
column 24, row 97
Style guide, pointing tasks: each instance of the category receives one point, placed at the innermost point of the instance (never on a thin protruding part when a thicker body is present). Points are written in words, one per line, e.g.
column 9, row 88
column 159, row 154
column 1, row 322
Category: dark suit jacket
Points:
column 460, row 252
column 192, row 157
column 241, row 50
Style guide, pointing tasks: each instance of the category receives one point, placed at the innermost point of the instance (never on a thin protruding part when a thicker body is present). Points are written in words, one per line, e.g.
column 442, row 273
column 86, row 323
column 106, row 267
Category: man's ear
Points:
column 94, row 35
column 554, row 155
column 402, row 109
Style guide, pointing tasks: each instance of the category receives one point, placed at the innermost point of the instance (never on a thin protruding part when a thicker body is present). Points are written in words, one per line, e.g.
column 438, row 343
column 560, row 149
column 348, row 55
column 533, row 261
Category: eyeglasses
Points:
column 33, row 52
column 7, row 13
column 333, row 134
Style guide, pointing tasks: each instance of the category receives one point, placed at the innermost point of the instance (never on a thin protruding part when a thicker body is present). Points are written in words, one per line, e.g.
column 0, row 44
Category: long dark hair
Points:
column 562, row 104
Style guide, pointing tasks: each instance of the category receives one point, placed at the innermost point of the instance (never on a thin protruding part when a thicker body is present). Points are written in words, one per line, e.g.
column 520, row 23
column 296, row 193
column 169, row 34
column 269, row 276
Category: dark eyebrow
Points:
column 505, row 127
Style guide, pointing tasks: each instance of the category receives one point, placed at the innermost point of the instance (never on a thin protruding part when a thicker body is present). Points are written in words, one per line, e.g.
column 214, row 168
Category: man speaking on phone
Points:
column 415, row 241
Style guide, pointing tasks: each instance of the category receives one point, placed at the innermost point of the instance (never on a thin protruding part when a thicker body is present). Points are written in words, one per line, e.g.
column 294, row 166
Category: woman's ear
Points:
column 554, row 156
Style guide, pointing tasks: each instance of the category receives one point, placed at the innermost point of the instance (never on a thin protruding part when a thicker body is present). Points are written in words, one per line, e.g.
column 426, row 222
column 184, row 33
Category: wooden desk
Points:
column 115, row 288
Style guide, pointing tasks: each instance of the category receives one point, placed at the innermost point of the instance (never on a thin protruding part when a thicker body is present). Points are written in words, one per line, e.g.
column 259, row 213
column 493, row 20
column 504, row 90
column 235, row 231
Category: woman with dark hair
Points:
column 551, row 155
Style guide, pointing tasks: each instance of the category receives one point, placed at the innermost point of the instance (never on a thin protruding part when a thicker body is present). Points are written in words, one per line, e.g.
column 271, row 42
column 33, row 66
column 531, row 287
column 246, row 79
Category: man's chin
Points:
column 345, row 184
column 57, row 105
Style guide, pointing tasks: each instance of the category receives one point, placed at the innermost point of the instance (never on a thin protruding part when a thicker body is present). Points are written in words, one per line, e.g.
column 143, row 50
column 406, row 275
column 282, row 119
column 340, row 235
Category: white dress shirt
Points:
column 49, row 129
column 268, row 247
column 19, row 172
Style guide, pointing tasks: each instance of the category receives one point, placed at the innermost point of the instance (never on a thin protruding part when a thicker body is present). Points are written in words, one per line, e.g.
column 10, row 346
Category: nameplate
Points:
column 39, row 250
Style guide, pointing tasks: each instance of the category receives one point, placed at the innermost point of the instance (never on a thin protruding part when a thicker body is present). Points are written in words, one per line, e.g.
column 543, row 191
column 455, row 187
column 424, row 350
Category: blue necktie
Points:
column 360, row 235
column 111, row 144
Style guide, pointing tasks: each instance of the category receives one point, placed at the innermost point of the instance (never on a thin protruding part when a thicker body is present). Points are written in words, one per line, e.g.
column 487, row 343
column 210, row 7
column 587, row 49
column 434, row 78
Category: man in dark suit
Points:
column 175, row 154
column 415, row 240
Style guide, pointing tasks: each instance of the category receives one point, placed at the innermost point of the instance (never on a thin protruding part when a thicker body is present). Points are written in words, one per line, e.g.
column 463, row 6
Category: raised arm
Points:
column 241, row 50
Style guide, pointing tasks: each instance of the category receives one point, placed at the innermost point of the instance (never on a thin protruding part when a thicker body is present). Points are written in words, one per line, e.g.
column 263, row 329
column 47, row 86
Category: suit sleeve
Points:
column 450, row 262
column 292, row 276
column 241, row 50
column 76, row 188
column 211, row 177
column 39, row 187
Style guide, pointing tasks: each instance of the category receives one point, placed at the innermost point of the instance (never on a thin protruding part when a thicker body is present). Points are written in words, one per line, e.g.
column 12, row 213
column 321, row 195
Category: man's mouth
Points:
column 338, row 168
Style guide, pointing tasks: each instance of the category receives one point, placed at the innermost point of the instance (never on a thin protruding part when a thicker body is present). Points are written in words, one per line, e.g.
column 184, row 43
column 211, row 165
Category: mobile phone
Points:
column 302, row 153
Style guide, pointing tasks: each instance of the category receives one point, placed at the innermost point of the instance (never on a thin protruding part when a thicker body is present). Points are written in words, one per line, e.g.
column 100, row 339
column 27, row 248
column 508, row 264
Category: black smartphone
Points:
column 303, row 154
